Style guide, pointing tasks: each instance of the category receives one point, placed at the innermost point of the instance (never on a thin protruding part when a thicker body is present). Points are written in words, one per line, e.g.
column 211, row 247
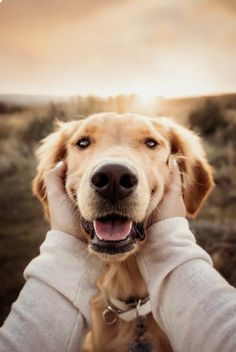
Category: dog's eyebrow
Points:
column 150, row 132
column 88, row 131
column 160, row 128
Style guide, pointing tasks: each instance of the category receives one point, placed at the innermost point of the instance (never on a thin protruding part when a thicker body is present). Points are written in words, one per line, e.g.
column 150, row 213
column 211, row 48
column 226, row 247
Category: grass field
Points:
column 22, row 227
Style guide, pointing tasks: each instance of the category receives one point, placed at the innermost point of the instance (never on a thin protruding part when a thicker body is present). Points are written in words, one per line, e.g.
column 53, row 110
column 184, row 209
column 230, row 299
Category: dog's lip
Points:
column 112, row 247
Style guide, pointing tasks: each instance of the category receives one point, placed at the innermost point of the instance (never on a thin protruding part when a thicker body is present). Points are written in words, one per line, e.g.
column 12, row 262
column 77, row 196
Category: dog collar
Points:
column 125, row 311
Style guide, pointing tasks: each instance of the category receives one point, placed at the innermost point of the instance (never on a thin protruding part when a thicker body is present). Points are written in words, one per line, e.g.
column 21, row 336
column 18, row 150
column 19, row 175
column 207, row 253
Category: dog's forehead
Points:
column 127, row 123
column 115, row 120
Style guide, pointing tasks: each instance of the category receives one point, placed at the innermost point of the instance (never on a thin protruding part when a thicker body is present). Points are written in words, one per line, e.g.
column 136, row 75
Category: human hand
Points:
column 172, row 204
column 61, row 209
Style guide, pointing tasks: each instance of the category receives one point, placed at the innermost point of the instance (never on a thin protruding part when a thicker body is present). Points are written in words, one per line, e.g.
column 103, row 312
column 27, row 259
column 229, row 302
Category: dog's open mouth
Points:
column 113, row 234
column 112, row 228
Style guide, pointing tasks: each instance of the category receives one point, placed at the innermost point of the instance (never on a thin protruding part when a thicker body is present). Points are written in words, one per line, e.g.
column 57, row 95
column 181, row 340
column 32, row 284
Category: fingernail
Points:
column 59, row 164
column 174, row 162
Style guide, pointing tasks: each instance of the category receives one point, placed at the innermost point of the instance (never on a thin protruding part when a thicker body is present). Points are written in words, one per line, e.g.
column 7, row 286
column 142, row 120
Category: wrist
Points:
column 63, row 239
column 69, row 231
column 169, row 244
column 170, row 229
column 168, row 223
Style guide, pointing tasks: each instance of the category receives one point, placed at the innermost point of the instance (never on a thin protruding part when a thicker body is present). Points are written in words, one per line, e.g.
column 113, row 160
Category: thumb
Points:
column 175, row 182
column 54, row 180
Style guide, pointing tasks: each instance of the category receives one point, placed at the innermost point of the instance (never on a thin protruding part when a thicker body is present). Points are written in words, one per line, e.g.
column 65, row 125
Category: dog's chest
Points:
column 122, row 335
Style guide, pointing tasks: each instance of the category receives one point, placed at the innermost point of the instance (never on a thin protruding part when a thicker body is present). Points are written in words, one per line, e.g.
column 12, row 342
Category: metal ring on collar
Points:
column 110, row 316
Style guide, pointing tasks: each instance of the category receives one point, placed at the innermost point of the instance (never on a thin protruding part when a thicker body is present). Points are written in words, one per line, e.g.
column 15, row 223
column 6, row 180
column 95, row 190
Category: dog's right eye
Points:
column 83, row 143
column 151, row 143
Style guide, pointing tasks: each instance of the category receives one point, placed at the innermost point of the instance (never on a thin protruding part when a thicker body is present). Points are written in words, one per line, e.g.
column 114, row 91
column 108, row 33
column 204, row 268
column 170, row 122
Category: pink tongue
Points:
column 115, row 230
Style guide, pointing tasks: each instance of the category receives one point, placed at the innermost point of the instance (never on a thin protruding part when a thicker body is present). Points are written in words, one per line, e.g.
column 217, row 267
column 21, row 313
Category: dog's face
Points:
column 117, row 170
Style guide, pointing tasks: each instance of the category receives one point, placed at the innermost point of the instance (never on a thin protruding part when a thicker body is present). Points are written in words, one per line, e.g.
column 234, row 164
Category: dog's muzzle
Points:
column 113, row 231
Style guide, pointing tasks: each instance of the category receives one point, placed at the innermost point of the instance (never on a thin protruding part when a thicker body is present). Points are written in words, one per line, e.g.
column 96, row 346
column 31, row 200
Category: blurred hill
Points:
column 25, row 120
column 29, row 99
column 177, row 107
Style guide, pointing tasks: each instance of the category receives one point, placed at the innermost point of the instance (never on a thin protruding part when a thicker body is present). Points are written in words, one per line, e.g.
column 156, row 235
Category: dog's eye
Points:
column 83, row 143
column 151, row 143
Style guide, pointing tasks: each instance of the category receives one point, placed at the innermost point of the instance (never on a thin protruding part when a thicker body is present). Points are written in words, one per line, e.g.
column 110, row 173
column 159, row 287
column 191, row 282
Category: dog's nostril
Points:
column 100, row 180
column 128, row 181
column 114, row 182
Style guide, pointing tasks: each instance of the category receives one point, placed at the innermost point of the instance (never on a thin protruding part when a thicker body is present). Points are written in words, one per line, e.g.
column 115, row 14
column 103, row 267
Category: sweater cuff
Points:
column 64, row 241
column 169, row 244
column 169, row 227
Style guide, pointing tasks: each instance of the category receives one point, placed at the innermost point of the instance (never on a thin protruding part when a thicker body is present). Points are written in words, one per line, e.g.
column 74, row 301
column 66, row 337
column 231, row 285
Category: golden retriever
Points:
column 117, row 171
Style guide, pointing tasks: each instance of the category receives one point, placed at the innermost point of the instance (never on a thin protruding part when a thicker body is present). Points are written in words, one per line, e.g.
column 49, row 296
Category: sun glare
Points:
column 146, row 103
column 146, row 99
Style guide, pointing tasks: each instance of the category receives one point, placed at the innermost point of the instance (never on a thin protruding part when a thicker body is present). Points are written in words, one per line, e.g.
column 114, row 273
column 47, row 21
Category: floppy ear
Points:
column 196, row 172
column 52, row 150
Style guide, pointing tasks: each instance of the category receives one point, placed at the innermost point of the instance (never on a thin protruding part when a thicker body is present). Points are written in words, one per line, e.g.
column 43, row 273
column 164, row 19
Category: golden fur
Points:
column 120, row 138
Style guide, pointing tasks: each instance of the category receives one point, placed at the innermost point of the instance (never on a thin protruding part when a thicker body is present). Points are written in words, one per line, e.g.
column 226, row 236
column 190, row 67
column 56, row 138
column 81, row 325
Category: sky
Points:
column 168, row 48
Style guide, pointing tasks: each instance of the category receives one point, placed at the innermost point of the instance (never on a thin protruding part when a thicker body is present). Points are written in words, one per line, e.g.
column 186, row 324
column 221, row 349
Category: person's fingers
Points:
column 175, row 182
column 60, row 168
column 54, row 180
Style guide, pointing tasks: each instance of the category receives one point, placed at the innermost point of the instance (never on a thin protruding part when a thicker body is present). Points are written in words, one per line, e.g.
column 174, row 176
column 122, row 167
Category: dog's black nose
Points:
column 114, row 181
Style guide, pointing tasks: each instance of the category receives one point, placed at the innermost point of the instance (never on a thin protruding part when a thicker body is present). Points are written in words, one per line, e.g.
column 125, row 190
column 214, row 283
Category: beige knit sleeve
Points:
column 52, row 311
column 190, row 300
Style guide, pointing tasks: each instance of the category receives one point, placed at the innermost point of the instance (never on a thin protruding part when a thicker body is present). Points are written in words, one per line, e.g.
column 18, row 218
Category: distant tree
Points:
column 208, row 119
column 10, row 109
column 37, row 129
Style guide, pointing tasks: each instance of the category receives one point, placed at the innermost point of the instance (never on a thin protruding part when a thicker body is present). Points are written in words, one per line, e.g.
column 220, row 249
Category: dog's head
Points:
column 117, row 171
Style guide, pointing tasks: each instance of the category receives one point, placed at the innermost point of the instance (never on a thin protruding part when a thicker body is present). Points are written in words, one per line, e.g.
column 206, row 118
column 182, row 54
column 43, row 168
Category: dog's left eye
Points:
column 83, row 143
column 151, row 143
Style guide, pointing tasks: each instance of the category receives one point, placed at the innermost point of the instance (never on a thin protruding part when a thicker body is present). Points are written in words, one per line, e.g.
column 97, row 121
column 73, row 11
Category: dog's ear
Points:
column 196, row 172
column 52, row 150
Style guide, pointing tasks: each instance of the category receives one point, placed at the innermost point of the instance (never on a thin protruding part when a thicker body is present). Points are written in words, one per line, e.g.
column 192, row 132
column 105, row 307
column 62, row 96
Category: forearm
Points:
column 52, row 312
column 42, row 320
column 193, row 304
